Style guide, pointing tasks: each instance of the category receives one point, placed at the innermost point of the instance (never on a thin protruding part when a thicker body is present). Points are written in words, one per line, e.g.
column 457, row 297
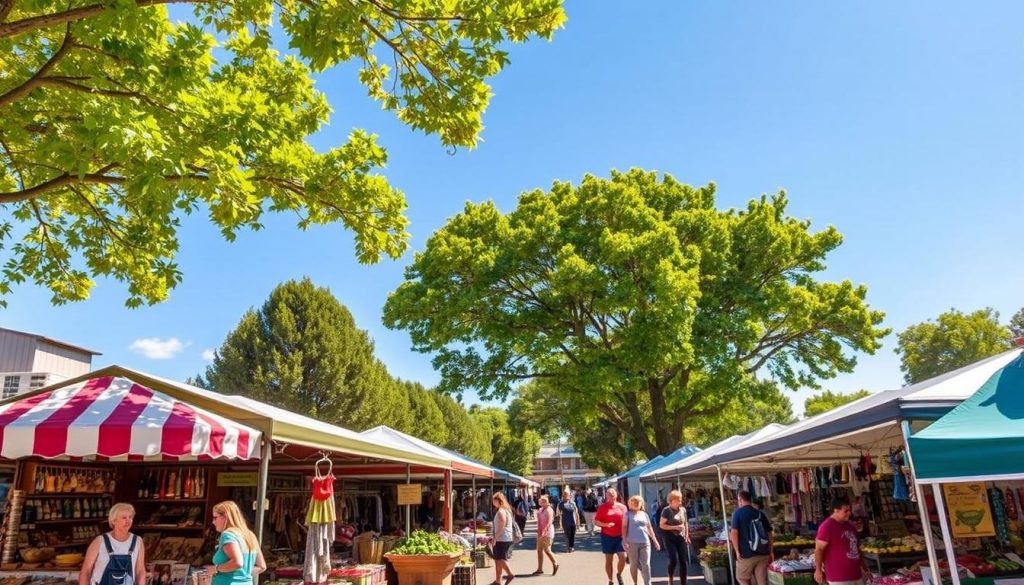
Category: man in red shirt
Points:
column 837, row 550
column 609, row 518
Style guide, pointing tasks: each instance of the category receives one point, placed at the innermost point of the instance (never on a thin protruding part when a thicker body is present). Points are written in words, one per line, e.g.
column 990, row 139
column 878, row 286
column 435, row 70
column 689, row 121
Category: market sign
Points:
column 969, row 511
column 237, row 479
column 409, row 494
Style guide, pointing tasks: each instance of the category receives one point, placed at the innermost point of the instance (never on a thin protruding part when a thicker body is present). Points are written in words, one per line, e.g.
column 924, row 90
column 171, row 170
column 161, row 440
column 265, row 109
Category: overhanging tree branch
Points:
column 11, row 29
column 34, row 81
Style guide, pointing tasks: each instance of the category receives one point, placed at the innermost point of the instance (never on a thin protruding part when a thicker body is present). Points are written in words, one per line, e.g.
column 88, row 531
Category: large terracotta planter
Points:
column 424, row 569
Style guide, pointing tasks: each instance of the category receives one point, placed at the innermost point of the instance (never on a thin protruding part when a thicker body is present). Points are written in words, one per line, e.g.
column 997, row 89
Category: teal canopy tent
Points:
column 982, row 439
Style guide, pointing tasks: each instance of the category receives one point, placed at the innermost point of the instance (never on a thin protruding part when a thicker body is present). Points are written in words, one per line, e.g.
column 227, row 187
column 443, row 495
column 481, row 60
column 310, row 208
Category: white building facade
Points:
column 29, row 361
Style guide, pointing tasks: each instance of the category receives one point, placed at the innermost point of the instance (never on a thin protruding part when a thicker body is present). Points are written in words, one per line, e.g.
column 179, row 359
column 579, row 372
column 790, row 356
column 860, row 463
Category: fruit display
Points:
column 790, row 540
column 904, row 545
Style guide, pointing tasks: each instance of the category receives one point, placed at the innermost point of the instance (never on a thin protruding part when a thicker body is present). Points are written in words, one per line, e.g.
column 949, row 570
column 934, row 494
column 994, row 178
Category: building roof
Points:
column 553, row 451
column 52, row 341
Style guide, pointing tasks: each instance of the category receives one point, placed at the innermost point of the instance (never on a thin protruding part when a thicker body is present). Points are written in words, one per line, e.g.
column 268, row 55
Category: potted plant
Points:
column 424, row 558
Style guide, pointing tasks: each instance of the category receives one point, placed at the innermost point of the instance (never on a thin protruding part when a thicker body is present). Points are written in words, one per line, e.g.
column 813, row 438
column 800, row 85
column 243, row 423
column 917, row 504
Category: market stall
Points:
column 973, row 459
column 170, row 449
column 837, row 451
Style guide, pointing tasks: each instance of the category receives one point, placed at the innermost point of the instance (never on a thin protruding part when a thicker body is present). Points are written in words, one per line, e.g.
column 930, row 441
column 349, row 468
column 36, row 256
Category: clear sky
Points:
column 901, row 123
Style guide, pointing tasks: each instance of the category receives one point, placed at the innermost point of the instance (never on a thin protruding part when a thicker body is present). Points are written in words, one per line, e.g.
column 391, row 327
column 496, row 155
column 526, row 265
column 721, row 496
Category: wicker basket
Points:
column 371, row 551
column 464, row 575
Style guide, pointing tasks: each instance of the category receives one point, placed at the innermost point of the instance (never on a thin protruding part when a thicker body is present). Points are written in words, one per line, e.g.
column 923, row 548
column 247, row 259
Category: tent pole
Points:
column 408, row 508
column 725, row 522
column 261, row 487
column 947, row 539
column 475, row 511
column 922, row 508
column 448, row 520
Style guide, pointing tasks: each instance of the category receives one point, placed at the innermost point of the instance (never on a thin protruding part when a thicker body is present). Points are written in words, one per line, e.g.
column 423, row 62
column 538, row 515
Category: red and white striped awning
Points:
column 116, row 418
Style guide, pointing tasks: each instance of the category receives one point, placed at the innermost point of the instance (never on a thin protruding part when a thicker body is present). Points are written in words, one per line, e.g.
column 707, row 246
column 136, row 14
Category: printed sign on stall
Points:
column 969, row 513
column 409, row 494
column 237, row 479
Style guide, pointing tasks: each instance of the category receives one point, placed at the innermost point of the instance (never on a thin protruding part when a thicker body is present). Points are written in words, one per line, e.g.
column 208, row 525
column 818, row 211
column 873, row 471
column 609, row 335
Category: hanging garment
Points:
column 900, row 493
column 1011, row 503
column 318, row 553
column 998, row 505
column 321, row 504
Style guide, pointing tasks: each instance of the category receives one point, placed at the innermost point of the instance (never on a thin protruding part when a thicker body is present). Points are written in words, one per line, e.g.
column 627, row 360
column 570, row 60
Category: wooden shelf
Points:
column 29, row 525
column 160, row 527
column 171, row 500
column 70, row 544
column 68, row 495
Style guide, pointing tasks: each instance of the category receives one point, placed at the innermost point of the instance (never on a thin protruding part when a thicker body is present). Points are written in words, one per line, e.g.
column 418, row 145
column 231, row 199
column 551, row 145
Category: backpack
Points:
column 758, row 535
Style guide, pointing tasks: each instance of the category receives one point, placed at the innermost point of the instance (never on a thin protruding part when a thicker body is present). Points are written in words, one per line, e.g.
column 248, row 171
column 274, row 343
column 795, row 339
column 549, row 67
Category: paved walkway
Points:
column 583, row 567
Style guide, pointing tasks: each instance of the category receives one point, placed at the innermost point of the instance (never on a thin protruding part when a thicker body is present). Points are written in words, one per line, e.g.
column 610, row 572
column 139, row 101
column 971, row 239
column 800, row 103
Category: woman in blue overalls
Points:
column 238, row 556
column 117, row 557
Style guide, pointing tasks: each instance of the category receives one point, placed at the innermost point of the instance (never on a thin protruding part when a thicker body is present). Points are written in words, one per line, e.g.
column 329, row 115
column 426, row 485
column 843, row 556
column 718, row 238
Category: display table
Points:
column 790, row 578
column 881, row 560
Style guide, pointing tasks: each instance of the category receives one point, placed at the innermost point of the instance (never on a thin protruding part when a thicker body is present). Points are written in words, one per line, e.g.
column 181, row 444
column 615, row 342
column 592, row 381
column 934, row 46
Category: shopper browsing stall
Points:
column 117, row 557
column 837, row 557
column 609, row 518
column 673, row 524
column 751, row 537
column 238, row 556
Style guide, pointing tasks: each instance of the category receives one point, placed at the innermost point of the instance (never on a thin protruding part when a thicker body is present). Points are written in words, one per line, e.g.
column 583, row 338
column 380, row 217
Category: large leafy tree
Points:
column 954, row 339
column 118, row 122
column 303, row 352
column 603, row 445
column 637, row 298
column 827, row 400
column 510, row 451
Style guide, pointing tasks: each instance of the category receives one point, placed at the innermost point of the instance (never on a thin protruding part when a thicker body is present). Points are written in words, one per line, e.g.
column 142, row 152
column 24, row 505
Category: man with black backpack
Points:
column 751, row 537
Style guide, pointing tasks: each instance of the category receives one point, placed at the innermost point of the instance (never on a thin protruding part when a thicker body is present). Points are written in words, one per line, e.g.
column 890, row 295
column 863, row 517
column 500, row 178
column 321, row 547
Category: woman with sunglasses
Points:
column 238, row 556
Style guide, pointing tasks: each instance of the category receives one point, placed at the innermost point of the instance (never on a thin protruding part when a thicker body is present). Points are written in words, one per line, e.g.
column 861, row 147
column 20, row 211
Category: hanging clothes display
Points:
column 320, row 520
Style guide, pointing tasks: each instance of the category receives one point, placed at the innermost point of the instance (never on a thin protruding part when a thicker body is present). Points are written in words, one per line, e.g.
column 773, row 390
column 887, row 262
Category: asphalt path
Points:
column 585, row 566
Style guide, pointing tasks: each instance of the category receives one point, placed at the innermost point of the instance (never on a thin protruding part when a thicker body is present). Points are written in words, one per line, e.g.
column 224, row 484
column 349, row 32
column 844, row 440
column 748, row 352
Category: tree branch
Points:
column 32, row 23
column 34, row 81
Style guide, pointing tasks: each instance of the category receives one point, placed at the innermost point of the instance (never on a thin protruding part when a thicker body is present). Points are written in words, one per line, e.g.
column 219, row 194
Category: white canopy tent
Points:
column 876, row 422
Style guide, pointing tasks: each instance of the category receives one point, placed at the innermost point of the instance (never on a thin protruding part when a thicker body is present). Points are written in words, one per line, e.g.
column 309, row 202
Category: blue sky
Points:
column 901, row 123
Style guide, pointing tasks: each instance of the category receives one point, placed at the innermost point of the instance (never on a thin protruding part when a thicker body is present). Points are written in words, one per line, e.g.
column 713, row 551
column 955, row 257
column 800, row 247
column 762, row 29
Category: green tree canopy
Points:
column 953, row 340
column 427, row 420
column 513, row 452
column 303, row 352
column 464, row 436
column 635, row 298
column 1017, row 323
column 826, row 401
column 117, row 122
column 602, row 445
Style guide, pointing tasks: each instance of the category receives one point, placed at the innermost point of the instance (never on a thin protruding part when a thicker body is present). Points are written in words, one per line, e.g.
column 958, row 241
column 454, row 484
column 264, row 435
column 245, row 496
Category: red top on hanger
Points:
column 323, row 487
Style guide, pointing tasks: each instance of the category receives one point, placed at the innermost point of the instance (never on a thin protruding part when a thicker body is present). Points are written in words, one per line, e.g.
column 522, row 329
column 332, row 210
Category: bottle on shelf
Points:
column 76, row 512
column 140, row 489
column 68, row 511
column 50, row 482
column 153, row 491
column 40, row 486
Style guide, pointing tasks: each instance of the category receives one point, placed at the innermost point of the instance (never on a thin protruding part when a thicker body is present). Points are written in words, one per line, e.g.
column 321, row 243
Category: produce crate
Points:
column 464, row 575
column 776, row 578
column 481, row 559
column 716, row 575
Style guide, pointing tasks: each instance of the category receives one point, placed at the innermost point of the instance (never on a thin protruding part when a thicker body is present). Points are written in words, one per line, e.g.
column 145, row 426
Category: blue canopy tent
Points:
column 980, row 440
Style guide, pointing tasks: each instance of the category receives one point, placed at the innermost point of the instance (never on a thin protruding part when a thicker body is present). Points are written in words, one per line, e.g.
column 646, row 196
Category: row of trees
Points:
column 302, row 351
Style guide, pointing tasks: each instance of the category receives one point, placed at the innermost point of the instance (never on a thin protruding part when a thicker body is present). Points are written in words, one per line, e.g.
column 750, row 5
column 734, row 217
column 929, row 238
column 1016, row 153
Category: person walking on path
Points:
column 570, row 516
column 580, row 502
column 837, row 557
column 751, row 537
column 503, row 539
column 638, row 536
column 545, row 535
column 521, row 513
column 673, row 524
column 590, row 509
column 609, row 518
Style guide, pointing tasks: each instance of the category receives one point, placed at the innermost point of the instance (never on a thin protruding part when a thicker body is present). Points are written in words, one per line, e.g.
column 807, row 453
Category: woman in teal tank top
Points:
column 238, row 556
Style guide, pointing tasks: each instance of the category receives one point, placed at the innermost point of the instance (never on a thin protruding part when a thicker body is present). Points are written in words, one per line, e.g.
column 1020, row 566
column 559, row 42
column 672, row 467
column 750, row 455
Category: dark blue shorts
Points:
column 611, row 544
